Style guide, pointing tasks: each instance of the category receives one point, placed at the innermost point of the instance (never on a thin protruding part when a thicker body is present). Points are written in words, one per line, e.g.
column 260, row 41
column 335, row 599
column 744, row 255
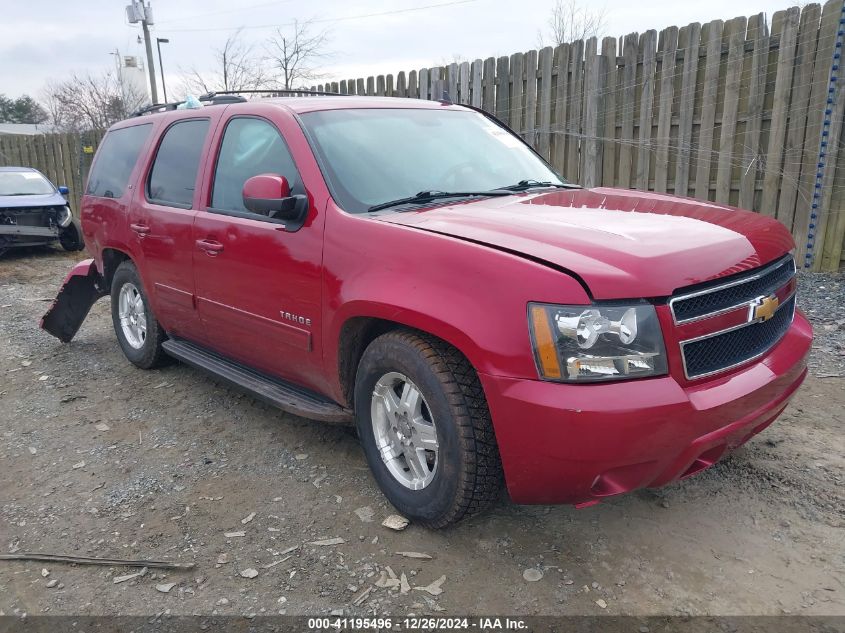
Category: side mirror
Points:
column 63, row 190
column 270, row 195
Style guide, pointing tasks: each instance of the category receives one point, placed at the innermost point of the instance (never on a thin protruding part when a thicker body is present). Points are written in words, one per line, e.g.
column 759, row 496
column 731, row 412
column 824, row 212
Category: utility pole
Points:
column 143, row 13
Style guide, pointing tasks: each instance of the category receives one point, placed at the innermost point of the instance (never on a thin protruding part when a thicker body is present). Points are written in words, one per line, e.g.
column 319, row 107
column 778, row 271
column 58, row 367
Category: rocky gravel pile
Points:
column 822, row 297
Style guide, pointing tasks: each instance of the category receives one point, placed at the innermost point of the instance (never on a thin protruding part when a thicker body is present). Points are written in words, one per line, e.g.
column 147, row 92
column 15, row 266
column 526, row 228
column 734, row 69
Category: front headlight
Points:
column 63, row 216
column 597, row 342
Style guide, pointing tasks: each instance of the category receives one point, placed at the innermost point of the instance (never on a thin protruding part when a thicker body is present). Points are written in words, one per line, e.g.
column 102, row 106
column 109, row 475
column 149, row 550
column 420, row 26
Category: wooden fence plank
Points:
column 608, row 170
column 712, row 34
column 66, row 142
column 758, row 33
column 735, row 36
column 476, row 71
column 530, row 115
column 452, row 82
column 689, row 40
column 381, row 86
column 463, row 83
column 590, row 167
column 503, row 90
column 560, row 107
column 788, row 39
column 629, row 91
column 668, row 55
column 544, row 123
column 574, row 129
column 796, row 123
column 412, row 91
column 488, row 97
column 648, row 49
column 389, row 89
column 517, row 101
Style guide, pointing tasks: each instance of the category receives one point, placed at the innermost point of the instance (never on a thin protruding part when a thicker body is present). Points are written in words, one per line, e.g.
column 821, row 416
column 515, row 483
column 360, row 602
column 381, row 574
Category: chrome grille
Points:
column 721, row 297
column 733, row 347
column 724, row 349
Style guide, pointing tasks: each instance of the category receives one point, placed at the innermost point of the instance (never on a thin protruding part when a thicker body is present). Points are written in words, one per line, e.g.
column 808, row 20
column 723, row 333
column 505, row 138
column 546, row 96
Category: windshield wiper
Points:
column 524, row 185
column 427, row 196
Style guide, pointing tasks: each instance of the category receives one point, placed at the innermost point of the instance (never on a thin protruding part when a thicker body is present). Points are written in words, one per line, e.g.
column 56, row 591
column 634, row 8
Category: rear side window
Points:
column 116, row 158
column 174, row 172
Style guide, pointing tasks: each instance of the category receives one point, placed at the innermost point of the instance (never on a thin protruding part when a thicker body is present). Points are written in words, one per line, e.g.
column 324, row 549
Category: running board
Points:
column 278, row 393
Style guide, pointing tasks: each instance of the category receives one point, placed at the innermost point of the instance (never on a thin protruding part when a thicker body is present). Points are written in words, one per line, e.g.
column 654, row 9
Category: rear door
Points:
column 162, row 222
column 257, row 285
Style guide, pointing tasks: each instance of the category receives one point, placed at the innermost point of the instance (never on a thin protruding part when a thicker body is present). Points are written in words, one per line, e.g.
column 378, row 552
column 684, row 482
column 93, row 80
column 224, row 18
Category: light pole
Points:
column 159, row 42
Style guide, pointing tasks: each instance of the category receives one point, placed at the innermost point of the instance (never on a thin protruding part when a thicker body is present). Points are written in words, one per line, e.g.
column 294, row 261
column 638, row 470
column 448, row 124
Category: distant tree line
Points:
column 24, row 109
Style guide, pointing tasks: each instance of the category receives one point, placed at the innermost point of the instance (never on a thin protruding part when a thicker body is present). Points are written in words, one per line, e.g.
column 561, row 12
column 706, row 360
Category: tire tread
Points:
column 482, row 477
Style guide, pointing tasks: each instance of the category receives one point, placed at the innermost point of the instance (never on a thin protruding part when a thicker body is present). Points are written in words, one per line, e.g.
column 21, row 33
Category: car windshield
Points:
column 24, row 183
column 374, row 156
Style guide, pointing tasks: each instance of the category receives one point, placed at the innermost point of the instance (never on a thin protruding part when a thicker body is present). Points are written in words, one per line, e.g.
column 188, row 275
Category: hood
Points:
column 622, row 244
column 40, row 200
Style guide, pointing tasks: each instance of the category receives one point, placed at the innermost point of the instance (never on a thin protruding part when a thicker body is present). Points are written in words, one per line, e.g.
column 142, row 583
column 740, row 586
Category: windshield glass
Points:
column 24, row 183
column 373, row 156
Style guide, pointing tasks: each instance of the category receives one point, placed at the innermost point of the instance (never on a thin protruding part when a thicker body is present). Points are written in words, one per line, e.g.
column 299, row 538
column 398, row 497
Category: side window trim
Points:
column 152, row 161
column 296, row 187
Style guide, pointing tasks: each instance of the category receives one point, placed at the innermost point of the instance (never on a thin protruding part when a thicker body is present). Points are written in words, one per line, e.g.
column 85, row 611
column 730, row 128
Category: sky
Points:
column 44, row 40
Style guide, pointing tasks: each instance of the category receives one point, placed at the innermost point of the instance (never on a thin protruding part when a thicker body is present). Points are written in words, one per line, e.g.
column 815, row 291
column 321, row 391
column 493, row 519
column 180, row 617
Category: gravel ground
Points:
column 98, row 458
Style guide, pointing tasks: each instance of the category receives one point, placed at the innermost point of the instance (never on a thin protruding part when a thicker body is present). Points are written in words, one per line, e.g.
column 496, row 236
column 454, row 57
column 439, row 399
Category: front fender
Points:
column 471, row 296
column 80, row 290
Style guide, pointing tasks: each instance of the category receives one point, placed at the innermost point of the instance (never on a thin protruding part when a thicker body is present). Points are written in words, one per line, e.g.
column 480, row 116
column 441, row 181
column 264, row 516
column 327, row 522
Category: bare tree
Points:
column 90, row 101
column 296, row 54
column 571, row 21
column 238, row 66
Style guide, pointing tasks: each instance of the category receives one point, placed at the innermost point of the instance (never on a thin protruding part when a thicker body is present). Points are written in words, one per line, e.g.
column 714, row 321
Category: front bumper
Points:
column 564, row 443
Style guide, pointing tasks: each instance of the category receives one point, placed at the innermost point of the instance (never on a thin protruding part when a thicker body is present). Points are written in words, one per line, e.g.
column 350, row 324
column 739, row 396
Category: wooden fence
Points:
column 63, row 158
column 735, row 112
column 741, row 112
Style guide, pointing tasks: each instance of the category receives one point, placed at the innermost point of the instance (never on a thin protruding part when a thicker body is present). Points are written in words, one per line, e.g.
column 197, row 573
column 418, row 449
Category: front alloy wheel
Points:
column 425, row 427
column 404, row 431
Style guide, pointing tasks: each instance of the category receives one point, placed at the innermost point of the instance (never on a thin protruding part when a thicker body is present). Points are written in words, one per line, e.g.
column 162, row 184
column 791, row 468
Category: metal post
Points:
column 150, row 64
column 159, row 41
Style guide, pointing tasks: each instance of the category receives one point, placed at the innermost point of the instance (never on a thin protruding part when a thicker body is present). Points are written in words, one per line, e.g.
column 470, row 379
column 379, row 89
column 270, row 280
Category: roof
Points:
column 13, row 168
column 299, row 105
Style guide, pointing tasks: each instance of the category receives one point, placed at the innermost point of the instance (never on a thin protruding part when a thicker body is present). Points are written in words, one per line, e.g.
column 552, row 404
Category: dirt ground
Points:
column 99, row 458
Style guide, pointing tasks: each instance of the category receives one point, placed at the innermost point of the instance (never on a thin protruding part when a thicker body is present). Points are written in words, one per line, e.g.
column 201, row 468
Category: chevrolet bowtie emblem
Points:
column 763, row 308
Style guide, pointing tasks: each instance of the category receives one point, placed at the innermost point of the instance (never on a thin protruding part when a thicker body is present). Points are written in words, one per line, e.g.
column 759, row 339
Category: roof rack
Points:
column 210, row 98
column 283, row 91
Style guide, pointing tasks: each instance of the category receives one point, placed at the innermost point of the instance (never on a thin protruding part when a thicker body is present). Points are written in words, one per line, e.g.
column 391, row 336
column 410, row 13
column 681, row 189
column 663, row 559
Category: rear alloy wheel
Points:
column 139, row 334
column 426, row 429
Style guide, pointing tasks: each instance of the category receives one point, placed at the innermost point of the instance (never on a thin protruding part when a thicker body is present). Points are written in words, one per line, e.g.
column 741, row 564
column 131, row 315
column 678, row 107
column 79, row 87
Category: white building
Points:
column 133, row 79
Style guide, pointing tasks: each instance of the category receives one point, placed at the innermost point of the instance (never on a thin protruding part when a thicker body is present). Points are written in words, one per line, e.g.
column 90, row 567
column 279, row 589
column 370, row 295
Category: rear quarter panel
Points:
column 105, row 220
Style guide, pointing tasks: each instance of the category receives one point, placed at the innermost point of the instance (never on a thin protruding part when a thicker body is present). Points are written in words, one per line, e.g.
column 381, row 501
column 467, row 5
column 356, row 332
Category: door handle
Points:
column 140, row 229
column 210, row 247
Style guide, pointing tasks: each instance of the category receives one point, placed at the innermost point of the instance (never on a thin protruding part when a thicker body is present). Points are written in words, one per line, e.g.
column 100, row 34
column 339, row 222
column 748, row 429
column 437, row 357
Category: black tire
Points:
column 150, row 354
column 468, row 476
column 71, row 238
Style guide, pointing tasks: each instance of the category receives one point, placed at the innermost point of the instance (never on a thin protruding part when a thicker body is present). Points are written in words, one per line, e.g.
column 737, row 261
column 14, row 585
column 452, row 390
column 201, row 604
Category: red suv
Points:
column 416, row 268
